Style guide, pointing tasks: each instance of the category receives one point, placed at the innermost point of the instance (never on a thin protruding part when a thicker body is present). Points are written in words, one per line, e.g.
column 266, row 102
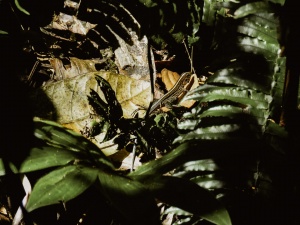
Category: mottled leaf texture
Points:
column 69, row 97
column 61, row 185
column 114, row 107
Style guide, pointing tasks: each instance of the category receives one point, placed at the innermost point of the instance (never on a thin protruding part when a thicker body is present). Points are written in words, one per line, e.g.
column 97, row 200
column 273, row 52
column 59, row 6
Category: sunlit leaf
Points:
column 69, row 97
column 251, row 8
column 45, row 157
column 189, row 151
column 169, row 78
column 264, row 31
column 219, row 132
column 239, row 95
column 61, row 185
column 226, row 111
column 76, row 67
column 162, row 165
column 56, row 135
column 253, row 45
column 70, row 23
column 209, row 12
column 59, row 137
column 237, row 77
column 200, row 165
column 211, row 181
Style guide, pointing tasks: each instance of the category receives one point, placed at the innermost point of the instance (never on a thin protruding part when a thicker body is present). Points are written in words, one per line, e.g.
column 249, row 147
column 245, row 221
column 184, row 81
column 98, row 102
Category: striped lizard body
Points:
column 173, row 93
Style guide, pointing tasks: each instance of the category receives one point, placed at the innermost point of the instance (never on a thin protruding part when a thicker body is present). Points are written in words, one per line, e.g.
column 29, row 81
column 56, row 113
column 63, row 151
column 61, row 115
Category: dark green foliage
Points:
column 156, row 131
column 170, row 22
column 75, row 165
column 229, row 161
column 111, row 112
column 72, row 165
column 229, row 142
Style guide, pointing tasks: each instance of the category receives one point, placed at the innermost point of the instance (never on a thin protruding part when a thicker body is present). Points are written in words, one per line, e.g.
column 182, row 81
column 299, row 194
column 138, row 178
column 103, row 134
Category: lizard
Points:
column 173, row 93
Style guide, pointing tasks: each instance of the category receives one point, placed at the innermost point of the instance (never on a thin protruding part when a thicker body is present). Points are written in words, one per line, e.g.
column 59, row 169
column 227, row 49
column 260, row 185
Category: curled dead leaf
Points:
column 169, row 78
column 64, row 21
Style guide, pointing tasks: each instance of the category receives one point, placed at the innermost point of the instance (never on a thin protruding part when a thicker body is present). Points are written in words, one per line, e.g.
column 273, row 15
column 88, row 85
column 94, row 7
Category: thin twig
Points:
column 190, row 56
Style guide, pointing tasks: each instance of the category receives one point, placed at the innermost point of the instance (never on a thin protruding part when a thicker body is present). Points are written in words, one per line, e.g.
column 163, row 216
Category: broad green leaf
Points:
column 177, row 192
column 227, row 131
column 188, row 124
column 162, row 165
column 209, row 12
column 254, row 45
column 255, row 31
column 130, row 198
column 240, row 77
column 251, row 8
column 200, row 166
column 62, row 184
column 220, row 173
column 243, row 96
column 258, row 116
column 193, row 150
column 58, row 136
column 47, row 156
column 232, row 112
column 262, row 26
column 211, row 181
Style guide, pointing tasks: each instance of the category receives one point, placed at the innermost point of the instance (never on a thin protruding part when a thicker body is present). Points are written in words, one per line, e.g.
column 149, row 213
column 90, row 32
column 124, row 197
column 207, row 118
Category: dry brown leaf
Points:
column 64, row 21
column 124, row 159
column 69, row 96
column 66, row 101
column 169, row 78
column 76, row 67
